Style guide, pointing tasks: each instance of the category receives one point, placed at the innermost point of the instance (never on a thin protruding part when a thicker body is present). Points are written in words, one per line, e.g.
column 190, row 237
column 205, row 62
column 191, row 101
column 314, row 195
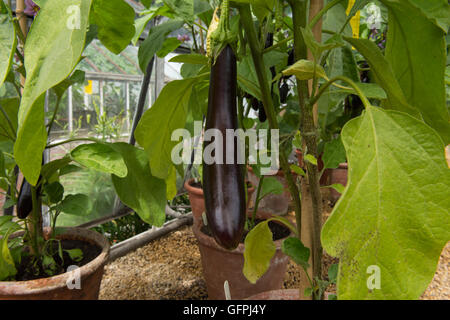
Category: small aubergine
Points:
column 25, row 200
column 223, row 183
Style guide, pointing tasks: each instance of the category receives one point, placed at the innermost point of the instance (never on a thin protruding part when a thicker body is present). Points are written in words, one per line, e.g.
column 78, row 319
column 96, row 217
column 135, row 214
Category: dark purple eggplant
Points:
column 284, row 90
column 223, row 184
column 24, row 201
column 262, row 113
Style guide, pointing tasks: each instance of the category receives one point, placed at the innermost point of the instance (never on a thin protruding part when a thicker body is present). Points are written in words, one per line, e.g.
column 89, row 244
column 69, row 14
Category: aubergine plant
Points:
column 393, row 216
column 44, row 62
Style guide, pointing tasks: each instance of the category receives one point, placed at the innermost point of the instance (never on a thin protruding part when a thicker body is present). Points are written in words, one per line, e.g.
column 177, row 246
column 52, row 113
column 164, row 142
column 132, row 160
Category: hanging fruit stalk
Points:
column 223, row 182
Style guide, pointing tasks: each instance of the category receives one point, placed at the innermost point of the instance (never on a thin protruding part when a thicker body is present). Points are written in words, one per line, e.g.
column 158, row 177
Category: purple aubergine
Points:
column 223, row 184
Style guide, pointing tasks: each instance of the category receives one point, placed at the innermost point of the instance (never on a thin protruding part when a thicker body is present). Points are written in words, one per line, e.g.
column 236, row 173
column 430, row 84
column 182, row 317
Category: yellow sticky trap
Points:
column 354, row 22
column 88, row 88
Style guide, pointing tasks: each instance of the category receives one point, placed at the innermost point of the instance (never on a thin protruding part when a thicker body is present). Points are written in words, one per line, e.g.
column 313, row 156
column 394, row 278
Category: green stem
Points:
column 278, row 44
column 8, row 120
column 255, row 48
column 50, row 124
column 72, row 140
column 36, row 222
column 258, row 192
column 358, row 91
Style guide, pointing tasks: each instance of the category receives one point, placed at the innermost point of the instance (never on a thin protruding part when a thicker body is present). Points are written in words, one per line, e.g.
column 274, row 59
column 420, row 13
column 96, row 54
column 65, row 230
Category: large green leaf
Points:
column 167, row 114
column 101, row 157
column 417, row 53
column 7, row 41
column 115, row 22
column 259, row 250
column 155, row 41
column 394, row 212
column 76, row 204
column 333, row 153
column 384, row 75
column 52, row 50
column 183, row 8
column 148, row 195
column 8, row 119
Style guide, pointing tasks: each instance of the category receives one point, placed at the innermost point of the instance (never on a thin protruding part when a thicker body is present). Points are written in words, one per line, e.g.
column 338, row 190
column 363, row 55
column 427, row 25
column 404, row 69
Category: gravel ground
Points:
column 170, row 268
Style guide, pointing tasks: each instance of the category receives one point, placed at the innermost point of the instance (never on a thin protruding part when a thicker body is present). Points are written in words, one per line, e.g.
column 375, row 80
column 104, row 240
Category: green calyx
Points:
column 222, row 35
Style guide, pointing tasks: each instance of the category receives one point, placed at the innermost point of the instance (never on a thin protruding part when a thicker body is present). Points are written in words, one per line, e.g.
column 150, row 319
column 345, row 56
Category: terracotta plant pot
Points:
column 197, row 199
column 284, row 294
column 276, row 204
column 338, row 175
column 56, row 288
column 220, row 265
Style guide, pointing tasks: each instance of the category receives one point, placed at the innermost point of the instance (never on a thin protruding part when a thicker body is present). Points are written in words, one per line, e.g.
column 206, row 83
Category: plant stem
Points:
column 278, row 44
column 308, row 132
column 58, row 100
column 322, row 89
column 261, row 180
column 71, row 140
column 36, row 222
column 247, row 22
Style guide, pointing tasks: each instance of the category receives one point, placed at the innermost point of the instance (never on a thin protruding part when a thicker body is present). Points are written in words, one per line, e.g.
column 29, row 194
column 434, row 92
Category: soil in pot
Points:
column 90, row 252
column 220, row 265
column 82, row 283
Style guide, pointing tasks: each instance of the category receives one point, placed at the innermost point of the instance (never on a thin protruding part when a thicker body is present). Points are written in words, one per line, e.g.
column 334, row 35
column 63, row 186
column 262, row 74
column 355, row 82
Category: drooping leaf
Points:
column 76, row 204
column 169, row 45
column 55, row 191
column 394, row 212
column 142, row 22
column 417, row 53
column 7, row 266
column 311, row 159
column 115, row 22
column 8, row 41
column 155, row 41
column 52, row 50
column 155, row 129
column 385, row 77
column 50, row 168
column 259, row 250
column 296, row 250
column 183, row 8
column 270, row 185
column 305, row 70
column 101, row 157
column 148, row 195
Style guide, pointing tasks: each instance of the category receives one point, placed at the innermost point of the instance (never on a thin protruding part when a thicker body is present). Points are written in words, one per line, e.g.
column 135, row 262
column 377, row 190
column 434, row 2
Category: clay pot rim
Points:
column 211, row 242
column 199, row 191
column 292, row 294
column 43, row 285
